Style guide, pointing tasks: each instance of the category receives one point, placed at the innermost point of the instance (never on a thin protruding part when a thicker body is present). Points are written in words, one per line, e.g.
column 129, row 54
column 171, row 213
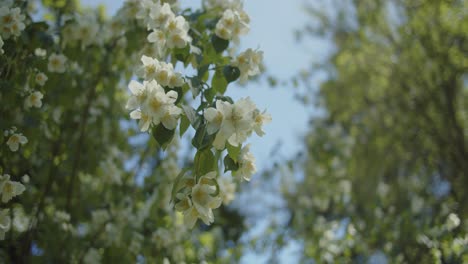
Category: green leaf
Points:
column 230, row 164
column 219, row 44
column 195, row 85
column 183, row 54
column 219, row 82
column 193, row 117
column 204, row 162
column 162, row 135
column 202, row 139
column 184, row 124
column 225, row 99
column 233, row 151
column 210, row 94
column 231, row 73
column 176, row 183
column 202, row 70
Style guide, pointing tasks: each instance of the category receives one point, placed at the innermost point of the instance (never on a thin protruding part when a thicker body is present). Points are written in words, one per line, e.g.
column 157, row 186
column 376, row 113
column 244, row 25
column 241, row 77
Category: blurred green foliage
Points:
column 386, row 172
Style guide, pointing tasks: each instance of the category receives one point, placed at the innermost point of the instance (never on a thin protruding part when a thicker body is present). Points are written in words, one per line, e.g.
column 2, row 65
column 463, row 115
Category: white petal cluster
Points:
column 199, row 201
column 57, row 63
column 85, row 30
column 15, row 140
column 152, row 105
column 5, row 222
column 169, row 30
column 246, row 161
column 160, row 71
column 232, row 24
column 34, row 100
column 453, row 221
column 40, row 78
column 233, row 122
column 224, row 4
column 9, row 189
column 248, row 63
column 11, row 20
column 227, row 189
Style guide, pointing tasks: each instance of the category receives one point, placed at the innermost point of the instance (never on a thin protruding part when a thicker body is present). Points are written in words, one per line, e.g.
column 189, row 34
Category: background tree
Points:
column 386, row 169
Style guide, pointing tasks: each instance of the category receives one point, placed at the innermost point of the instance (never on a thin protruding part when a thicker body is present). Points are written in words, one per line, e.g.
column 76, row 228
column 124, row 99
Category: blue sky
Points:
column 272, row 25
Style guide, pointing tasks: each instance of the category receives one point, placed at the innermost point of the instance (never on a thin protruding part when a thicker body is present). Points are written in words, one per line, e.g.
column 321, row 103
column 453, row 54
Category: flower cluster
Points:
column 152, row 105
column 9, row 189
column 11, row 20
column 219, row 122
column 34, row 100
column 249, row 63
column 15, row 139
column 198, row 200
column 57, row 63
column 232, row 24
column 160, row 71
column 85, row 29
column 235, row 122
column 169, row 30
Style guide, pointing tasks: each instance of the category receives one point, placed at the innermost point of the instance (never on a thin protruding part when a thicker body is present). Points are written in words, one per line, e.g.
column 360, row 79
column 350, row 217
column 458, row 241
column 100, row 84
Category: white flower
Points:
column 232, row 24
column 169, row 30
column 92, row 256
column 246, row 162
column 5, row 222
column 15, row 140
column 248, row 63
column 199, row 201
column 259, row 120
column 160, row 71
column 177, row 32
column 153, row 105
column 34, row 100
column 41, row 78
column 214, row 118
column 20, row 219
column 237, row 122
column 40, row 52
column 202, row 198
column 223, row 4
column 9, row 189
column 85, row 30
column 57, row 63
column 227, row 189
column 25, row 178
column 11, row 21
column 160, row 15
column 453, row 221
column 158, row 37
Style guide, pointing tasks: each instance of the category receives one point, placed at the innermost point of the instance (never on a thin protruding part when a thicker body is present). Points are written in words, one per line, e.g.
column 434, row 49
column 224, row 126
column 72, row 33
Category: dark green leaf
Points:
column 231, row 73
column 219, row 82
column 184, row 124
column 230, row 164
column 210, row 94
column 162, row 135
column 233, row 151
column 183, row 54
column 176, row 183
column 192, row 116
column 204, row 162
column 219, row 44
column 202, row 139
